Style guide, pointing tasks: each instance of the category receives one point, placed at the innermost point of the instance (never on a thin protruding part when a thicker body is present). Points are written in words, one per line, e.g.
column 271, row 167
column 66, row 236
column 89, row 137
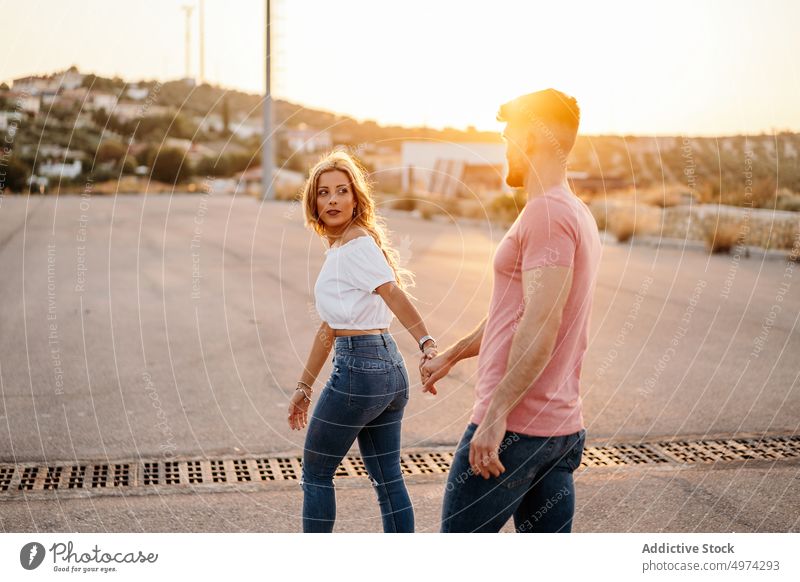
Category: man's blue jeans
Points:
column 536, row 488
column 364, row 398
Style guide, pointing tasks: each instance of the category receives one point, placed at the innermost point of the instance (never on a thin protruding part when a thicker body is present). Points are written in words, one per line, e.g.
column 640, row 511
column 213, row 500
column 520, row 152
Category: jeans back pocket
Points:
column 370, row 383
column 575, row 454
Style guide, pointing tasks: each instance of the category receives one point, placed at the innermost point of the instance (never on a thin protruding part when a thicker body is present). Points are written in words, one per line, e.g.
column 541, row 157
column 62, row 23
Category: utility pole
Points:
column 202, row 43
column 267, row 162
column 188, row 10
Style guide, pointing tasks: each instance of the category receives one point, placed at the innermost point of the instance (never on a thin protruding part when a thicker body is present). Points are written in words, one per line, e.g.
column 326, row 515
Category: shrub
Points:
column 405, row 203
column 506, row 207
column 171, row 166
column 474, row 209
column 721, row 238
column 788, row 201
column 288, row 191
column 662, row 198
column 623, row 225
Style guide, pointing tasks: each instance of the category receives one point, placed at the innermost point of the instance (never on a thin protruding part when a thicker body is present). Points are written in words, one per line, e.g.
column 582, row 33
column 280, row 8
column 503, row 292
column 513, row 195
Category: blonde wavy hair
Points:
column 365, row 216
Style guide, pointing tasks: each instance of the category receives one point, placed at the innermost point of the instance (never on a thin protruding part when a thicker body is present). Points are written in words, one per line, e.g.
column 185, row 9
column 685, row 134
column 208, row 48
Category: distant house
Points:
column 137, row 93
column 69, row 79
column 9, row 118
column 304, row 139
column 246, row 128
column 130, row 110
column 105, row 101
column 249, row 181
column 460, row 179
column 73, row 96
column 31, row 85
column 49, row 97
column 36, row 85
column 24, row 101
column 48, row 151
column 211, row 123
column 242, row 127
column 54, row 169
column 453, row 169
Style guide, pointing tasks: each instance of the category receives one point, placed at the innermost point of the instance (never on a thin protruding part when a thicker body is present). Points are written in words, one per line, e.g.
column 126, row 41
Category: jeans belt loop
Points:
column 383, row 337
column 350, row 342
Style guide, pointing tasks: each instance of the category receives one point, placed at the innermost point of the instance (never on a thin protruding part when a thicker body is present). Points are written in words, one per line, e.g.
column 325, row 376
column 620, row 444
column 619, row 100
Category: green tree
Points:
column 170, row 166
column 110, row 151
column 16, row 175
column 213, row 166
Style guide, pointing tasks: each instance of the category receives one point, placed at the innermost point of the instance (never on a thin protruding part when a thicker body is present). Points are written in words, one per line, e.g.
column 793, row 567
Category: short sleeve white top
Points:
column 344, row 291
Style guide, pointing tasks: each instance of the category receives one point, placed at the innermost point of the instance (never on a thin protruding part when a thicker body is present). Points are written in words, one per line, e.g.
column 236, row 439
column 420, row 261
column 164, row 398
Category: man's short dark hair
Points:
column 550, row 107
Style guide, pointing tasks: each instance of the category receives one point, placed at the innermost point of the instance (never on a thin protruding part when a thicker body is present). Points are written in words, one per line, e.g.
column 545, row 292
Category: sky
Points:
column 647, row 68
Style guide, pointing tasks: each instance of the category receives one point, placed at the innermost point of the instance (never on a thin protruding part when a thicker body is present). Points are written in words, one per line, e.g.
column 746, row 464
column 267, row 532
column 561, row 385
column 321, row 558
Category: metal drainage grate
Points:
column 188, row 473
column 610, row 456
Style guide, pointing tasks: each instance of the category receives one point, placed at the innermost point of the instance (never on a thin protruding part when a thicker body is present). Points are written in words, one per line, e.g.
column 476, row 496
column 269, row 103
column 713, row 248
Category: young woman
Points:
column 360, row 288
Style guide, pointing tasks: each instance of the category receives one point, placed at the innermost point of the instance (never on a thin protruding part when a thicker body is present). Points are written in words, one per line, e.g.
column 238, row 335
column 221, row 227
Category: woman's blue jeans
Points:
column 364, row 398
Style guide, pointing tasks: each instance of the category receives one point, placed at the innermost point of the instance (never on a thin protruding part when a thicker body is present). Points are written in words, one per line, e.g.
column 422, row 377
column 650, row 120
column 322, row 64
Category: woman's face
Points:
column 335, row 200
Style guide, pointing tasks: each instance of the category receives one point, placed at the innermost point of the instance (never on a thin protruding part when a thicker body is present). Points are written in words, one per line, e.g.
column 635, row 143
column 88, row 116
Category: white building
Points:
column 31, row 85
column 105, row 101
column 246, row 128
column 8, row 118
column 49, row 97
column 69, row 79
column 304, row 139
column 68, row 170
column 24, row 102
column 420, row 159
column 137, row 93
column 250, row 181
column 211, row 122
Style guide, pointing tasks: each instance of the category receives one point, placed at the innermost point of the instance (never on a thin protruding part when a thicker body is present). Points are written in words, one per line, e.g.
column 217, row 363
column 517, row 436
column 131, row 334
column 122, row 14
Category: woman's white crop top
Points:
column 344, row 291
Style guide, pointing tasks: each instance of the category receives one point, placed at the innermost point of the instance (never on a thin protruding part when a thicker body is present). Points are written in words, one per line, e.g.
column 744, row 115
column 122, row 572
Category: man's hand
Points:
column 433, row 369
column 484, row 453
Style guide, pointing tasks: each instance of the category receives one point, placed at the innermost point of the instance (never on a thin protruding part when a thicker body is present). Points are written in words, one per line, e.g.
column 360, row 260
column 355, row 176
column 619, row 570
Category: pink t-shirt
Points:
column 556, row 228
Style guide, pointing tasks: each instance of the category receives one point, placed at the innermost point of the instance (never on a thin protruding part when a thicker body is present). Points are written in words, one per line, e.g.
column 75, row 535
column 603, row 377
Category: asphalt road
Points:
column 131, row 326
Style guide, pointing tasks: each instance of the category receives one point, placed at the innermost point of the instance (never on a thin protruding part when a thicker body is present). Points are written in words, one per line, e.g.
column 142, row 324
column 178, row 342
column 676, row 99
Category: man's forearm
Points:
column 467, row 347
column 530, row 352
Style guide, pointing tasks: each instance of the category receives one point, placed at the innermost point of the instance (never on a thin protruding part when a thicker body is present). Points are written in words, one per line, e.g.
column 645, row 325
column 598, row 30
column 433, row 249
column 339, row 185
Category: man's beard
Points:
column 516, row 174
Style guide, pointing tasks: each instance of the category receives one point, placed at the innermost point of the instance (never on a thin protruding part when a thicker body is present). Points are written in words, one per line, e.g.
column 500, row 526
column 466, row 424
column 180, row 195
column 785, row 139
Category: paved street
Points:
column 133, row 326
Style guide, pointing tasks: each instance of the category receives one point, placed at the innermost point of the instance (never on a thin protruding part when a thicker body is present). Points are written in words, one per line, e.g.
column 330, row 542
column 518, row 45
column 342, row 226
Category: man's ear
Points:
column 532, row 139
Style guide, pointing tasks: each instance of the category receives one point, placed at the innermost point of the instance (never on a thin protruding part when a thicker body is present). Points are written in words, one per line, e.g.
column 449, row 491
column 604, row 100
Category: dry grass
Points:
column 473, row 209
column 721, row 238
column 662, row 198
column 622, row 226
column 406, row 203
column 600, row 213
column 624, row 223
column 285, row 191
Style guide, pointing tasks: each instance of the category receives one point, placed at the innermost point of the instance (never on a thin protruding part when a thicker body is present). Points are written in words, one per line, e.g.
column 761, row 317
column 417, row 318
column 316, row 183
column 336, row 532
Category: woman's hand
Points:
column 298, row 410
column 433, row 369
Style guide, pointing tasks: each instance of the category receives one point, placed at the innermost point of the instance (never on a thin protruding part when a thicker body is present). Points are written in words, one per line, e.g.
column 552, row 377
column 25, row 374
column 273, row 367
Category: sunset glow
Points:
column 684, row 67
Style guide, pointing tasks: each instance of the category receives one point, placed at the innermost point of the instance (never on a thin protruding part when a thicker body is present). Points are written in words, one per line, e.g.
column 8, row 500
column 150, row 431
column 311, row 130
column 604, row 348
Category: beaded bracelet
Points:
column 305, row 394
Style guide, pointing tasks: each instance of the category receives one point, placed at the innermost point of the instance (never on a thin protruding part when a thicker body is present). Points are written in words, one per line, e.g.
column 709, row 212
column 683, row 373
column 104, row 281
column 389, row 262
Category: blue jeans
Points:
column 536, row 487
column 364, row 398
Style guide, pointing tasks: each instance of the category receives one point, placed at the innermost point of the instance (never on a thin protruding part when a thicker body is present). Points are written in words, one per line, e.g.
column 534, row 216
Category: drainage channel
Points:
column 100, row 477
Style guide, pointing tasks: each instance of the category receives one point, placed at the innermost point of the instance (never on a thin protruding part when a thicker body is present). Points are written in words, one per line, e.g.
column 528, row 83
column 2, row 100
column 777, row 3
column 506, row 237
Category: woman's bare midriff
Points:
column 339, row 332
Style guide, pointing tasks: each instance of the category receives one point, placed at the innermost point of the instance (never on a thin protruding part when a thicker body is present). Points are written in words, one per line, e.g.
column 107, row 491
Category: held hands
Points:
column 432, row 368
